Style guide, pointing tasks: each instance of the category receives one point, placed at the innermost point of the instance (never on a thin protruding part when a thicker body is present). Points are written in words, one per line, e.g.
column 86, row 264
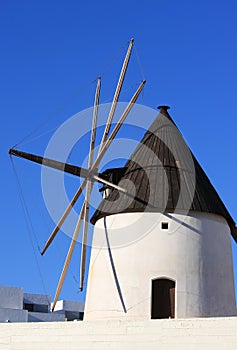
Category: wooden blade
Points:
column 89, row 185
column 117, row 93
column 109, row 184
column 94, row 124
column 65, row 214
column 68, row 168
column 123, row 190
column 85, row 235
column 69, row 256
column 118, row 125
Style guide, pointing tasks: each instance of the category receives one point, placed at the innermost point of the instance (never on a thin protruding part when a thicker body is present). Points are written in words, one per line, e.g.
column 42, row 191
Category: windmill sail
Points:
column 90, row 175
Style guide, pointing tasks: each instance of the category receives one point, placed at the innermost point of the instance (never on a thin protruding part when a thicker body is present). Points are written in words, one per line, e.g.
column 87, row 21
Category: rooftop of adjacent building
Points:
column 17, row 306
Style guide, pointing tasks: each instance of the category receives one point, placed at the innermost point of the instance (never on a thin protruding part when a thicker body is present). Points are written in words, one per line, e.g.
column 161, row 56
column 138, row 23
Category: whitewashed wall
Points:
column 195, row 252
column 195, row 334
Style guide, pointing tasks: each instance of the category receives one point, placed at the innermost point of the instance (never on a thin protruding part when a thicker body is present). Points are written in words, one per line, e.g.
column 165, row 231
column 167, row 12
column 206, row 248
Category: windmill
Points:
column 182, row 267
column 173, row 257
column 90, row 175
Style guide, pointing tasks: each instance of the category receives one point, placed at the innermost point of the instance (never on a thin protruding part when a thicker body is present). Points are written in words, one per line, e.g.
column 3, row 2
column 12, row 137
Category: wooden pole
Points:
column 69, row 256
column 117, row 93
column 65, row 214
column 110, row 184
column 118, row 125
column 94, row 123
column 85, row 235
column 89, row 186
column 71, row 204
column 51, row 163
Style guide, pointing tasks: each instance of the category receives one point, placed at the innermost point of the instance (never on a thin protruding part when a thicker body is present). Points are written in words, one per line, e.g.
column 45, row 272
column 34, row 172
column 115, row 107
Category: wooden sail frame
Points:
column 90, row 175
column 116, row 94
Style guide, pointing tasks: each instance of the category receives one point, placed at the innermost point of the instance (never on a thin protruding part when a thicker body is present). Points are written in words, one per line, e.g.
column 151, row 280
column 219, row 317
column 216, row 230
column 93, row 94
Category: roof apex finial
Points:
column 163, row 107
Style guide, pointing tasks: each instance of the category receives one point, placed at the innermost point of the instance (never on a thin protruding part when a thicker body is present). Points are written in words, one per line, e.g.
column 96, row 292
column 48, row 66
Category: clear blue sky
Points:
column 52, row 51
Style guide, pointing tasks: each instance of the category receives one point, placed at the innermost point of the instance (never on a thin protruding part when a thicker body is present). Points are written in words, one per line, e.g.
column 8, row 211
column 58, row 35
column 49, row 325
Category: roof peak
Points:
column 163, row 108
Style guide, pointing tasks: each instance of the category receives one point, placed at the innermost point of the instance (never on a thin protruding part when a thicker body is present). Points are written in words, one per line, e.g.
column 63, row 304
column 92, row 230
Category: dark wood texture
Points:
column 166, row 176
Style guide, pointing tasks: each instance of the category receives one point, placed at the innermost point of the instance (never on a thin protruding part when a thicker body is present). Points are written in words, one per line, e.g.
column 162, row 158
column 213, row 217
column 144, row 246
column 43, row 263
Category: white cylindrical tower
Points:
column 167, row 252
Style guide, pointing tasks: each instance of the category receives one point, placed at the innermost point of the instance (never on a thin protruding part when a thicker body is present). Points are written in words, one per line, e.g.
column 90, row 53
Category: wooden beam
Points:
column 118, row 125
column 94, row 123
column 68, row 168
column 85, row 235
column 89, row 186
column 109, row 184
column 117, row 93
column 68, row 258
column 64, row 216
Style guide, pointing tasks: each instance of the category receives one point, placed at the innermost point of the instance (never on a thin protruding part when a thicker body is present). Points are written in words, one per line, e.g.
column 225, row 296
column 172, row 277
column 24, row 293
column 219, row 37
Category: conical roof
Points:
column 163, row 175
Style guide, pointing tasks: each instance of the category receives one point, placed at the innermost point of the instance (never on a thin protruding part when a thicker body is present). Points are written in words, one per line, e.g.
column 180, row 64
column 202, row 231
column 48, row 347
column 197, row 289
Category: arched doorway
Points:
column 163, row 298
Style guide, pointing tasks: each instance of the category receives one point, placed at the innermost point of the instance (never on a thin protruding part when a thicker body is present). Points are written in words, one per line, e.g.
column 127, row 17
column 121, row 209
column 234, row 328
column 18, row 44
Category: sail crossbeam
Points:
column 51, row 163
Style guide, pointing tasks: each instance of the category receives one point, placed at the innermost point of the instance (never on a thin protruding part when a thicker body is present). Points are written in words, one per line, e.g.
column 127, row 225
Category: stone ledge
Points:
column 184, row 334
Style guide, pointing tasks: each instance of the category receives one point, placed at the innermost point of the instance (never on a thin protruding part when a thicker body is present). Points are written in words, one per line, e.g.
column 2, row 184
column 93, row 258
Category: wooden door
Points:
column 163, row 298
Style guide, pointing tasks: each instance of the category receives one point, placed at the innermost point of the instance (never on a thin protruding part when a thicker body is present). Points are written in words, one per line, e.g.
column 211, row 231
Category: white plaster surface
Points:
column 181, row 334
column 13, row 315
column 195, row 252
column 69, row 305
column 11, row 297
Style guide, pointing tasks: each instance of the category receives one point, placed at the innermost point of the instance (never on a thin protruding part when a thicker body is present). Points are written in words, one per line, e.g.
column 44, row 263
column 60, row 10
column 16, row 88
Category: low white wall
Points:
column 185, row 334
